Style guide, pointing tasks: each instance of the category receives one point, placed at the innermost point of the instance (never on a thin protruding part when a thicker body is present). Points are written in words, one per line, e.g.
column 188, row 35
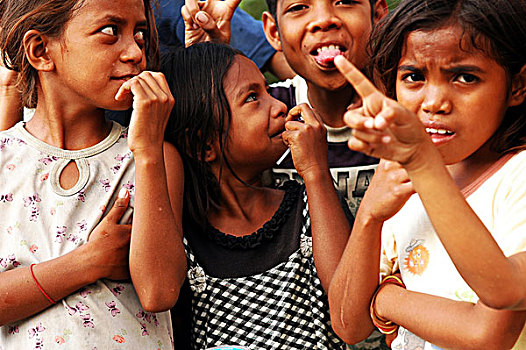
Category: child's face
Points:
column 258, row 119
column 101, row 47
column 459, row 93
column 313, row 32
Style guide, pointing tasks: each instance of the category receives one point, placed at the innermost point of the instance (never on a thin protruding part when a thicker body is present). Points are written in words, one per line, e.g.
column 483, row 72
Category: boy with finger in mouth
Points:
column 310, row 33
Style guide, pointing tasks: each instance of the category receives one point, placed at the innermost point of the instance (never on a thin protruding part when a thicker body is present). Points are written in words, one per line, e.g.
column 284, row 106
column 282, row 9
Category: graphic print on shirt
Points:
column 417, row 257
column 351, row 182
column 409, row 341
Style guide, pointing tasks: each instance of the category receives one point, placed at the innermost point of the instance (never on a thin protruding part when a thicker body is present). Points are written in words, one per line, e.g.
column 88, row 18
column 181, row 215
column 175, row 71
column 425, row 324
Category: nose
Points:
column 279, row 109
column 325, row 18
column 132, row 52
column 436, row 100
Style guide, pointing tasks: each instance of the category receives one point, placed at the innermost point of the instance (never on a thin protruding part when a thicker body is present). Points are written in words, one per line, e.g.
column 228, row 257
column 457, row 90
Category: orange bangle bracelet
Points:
column 383, row 325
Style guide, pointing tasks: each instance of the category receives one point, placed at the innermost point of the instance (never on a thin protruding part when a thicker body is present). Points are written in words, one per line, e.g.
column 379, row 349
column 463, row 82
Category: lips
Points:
column 276, row 134
column 324, row 55
column 124, row 77
column 439, row 134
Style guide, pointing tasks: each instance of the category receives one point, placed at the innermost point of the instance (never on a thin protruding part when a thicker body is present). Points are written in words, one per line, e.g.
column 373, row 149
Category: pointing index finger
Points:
column 361, row 84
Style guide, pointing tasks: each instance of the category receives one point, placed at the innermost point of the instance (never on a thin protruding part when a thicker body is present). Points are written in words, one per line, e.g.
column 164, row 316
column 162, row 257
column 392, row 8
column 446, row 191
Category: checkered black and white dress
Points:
column 284, row 307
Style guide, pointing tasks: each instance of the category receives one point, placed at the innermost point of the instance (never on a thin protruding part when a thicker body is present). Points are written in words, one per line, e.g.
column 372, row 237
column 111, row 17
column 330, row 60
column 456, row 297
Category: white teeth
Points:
column 438, row 131
column 330, row 47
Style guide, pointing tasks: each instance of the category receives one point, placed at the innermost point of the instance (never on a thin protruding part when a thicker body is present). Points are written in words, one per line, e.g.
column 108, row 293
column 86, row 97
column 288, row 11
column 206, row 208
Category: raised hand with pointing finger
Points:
column 381, row 127
column 208, row 20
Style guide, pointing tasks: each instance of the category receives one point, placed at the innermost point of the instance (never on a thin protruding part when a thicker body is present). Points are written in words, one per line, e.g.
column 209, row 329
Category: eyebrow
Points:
column 120, row 20
column 455, row 69
column 463, row 69
column 409, row 68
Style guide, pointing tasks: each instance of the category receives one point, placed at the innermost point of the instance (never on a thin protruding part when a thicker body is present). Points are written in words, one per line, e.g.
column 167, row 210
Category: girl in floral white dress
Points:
column 67, row 252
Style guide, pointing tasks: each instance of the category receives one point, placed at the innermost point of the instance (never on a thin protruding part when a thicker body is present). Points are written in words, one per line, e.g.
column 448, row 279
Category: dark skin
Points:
column 10, row 102
column 70, row 115
column 325, row 22
column 386, row 128
column 210, row 21
column 301, row 28
column 258, row 136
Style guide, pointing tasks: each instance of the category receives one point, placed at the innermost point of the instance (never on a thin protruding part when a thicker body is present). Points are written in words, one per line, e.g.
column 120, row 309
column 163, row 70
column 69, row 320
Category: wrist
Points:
column 148, row 156
column 382, row 301
column 367, row 218
column 9, row 90
column 425, row 154
column 317, row 176
column 86, row 255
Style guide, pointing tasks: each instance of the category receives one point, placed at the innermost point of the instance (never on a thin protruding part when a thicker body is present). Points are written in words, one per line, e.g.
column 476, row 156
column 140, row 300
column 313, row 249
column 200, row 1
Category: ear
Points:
column 271, row 30
column 518, row 88
column 380, row 10
column 211, row 152
column 37, row 51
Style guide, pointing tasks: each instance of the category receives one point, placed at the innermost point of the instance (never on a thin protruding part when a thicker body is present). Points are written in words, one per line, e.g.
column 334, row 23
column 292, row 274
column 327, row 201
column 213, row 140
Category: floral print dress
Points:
column 40, row 221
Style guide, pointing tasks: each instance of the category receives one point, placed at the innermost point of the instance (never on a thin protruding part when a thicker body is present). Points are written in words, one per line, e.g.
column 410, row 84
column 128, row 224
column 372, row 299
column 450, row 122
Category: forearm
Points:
column 156, row 254
column 448, row 323
column 20, row 297
column 458, row 227
column 11, row 110
column 355, row 281
column 329, row 225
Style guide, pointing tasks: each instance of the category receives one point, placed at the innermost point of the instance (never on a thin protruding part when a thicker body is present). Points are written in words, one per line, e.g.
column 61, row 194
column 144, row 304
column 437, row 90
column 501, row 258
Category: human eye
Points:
column 466, row 78
column 140, row 36
column 109, row 30
column 346, row 2
column 251, row 97
column 412, row 77
column 296, row 8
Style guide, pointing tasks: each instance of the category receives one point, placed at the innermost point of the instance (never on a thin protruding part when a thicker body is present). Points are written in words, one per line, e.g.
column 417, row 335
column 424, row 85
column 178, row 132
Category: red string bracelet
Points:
column 39, row 286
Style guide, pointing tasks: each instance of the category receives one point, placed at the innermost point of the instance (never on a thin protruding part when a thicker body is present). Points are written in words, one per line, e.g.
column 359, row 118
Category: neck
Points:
column 330, row 105
column 67, row 127
column 243, row 209
column 470, row 169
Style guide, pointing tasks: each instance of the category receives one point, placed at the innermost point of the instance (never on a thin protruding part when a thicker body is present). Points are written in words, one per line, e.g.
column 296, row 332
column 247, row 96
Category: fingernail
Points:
column 201, row 17
column 123, row 193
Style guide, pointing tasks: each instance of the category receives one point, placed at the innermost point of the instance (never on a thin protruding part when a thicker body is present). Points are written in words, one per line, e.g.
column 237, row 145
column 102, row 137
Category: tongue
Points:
column 326, row 57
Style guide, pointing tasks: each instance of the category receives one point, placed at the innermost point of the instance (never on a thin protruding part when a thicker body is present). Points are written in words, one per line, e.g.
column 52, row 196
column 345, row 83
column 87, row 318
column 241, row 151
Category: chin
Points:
column 333, row 83
column 119, row 105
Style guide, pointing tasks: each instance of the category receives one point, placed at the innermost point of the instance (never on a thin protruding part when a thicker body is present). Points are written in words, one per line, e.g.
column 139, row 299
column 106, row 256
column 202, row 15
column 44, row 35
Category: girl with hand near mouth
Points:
column 73, row 270
column 260, row 259
column 456, row 136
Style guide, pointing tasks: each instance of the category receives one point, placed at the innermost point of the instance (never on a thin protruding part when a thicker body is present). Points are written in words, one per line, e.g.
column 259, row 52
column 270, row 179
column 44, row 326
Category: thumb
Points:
column 120, row 206
column 209, row 25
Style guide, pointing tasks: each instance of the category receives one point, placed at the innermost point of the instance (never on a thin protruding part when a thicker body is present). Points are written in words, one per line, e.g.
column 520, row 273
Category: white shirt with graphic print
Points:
column 410, row 243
